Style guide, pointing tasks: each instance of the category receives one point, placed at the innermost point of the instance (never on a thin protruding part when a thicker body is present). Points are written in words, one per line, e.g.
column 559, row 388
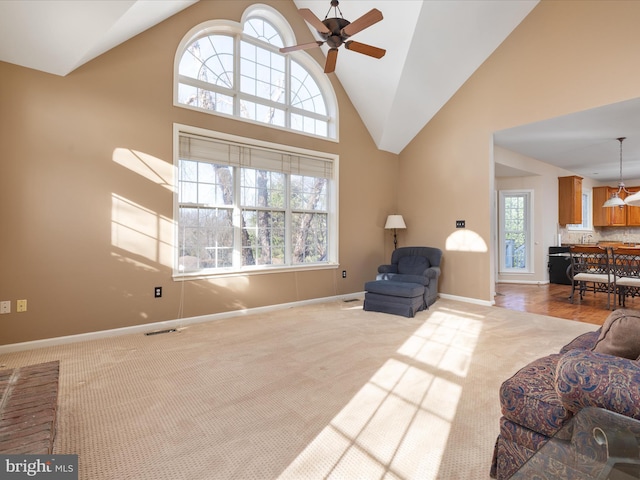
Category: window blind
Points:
column 223, row 152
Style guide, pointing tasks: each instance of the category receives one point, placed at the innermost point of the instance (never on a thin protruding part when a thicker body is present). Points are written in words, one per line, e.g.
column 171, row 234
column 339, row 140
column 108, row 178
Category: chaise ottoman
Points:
column 397, row 298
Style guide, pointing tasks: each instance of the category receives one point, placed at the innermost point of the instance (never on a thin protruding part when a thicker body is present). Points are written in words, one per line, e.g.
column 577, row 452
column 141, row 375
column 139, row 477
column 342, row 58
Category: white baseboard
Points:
column 475, row 301
column 181, row 322
column 526, row 282
column 168, row 324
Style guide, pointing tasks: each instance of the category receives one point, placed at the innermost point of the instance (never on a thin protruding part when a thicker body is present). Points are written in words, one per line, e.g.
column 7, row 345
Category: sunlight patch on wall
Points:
column 134, row 263
column 152, row 168
column 465, row 241
column 140, row 231
column 398, row 424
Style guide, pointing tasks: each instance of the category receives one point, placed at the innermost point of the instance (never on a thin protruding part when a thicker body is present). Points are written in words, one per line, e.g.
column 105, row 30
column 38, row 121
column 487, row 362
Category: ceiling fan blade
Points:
column 302, row 46
column 366, row 20
column 314, row 21
column 365, row 49
column 332, row 57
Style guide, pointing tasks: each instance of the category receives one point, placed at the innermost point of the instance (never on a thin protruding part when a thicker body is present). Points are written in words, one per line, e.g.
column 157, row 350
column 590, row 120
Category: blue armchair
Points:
column 408, row 284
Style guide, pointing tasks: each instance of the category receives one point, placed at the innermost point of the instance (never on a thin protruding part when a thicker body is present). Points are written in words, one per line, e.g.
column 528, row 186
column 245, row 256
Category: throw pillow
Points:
column 620, row 335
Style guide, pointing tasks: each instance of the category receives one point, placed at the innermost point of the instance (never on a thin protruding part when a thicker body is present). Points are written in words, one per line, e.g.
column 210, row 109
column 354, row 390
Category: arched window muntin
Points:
column 308, row 104
column 270, row 35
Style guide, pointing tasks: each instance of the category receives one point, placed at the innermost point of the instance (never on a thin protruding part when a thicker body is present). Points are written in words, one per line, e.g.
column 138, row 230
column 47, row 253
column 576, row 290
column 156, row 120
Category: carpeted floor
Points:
column 313, row 392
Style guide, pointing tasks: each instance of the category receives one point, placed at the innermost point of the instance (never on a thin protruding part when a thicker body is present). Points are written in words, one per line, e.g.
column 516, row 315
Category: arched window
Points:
column 237, row 69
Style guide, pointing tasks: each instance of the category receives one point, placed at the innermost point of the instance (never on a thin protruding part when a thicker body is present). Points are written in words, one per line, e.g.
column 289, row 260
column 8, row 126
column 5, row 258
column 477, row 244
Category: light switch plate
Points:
column 21, row 306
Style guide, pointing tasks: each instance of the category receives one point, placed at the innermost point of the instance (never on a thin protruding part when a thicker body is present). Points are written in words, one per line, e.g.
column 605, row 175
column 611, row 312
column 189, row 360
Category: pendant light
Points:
column 615, row 200
column 633, row 200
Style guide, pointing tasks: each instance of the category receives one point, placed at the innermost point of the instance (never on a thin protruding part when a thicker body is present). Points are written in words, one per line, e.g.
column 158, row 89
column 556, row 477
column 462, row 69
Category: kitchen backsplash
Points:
column 607, row 234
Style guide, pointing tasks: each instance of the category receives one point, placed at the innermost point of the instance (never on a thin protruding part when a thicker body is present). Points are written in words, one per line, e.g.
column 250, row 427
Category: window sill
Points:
column 516, row 272
column 333, row 137
column 180, row 277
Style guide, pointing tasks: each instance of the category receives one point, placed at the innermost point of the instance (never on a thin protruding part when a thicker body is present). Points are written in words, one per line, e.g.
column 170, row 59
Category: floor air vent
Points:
column 168, row 330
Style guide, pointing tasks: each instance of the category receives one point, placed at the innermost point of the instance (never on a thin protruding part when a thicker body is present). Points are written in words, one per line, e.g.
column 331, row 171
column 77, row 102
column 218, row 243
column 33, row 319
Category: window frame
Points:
column 332, row 210
column 587, row 213
column 236, row 30
column 528, row 231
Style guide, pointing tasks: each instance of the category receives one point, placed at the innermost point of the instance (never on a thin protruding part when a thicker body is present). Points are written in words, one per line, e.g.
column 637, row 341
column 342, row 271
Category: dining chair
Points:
column 591, row 271
column 626, row 269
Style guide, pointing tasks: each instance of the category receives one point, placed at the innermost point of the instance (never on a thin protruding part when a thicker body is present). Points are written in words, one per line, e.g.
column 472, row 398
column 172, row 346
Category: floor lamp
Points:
column 395, row 222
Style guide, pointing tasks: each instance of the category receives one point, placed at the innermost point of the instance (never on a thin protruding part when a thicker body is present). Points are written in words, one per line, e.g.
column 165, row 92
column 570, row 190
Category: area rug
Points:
column 312, row 392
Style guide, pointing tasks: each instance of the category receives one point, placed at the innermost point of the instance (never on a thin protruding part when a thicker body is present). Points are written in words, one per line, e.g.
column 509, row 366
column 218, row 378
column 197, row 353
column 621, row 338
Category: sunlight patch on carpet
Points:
column 398, row 424
column 447, row 341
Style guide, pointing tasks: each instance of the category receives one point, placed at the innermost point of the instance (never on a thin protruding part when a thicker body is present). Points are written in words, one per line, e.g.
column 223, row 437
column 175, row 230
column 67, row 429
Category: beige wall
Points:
column 78, row 151
column 566, row 56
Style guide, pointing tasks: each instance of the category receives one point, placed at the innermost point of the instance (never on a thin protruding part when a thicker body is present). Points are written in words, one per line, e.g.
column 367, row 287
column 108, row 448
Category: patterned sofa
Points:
column 597, row 369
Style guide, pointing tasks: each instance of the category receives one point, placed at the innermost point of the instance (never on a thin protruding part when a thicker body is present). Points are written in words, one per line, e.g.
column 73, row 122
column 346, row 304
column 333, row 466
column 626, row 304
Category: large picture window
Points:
column 237, row 69
column 247, row 206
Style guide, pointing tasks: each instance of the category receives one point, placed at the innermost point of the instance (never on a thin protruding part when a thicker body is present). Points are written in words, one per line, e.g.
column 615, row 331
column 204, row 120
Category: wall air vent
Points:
column 158, row 332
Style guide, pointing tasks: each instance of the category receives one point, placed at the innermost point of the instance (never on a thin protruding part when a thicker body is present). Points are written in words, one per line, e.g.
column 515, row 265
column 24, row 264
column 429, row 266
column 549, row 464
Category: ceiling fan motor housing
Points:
column 335, row 37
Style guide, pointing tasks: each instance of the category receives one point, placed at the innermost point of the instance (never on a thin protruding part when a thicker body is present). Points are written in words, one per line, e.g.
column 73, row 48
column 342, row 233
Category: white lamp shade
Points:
column 633, row 200
column 395, row 221
column 614, row 201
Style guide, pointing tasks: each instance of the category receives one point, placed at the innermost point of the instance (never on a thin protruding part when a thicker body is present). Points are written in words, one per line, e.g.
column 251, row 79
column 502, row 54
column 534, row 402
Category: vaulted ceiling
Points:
column 58, row 36
column 432, row 49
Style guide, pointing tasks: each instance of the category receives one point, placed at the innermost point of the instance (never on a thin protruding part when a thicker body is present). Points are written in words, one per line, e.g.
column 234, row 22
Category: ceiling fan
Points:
column 335, row 32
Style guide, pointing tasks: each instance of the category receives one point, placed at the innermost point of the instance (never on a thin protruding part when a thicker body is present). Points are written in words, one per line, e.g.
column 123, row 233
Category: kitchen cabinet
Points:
column 633, row 213
column 613, row 216
column 569, row 199
column 601, row 215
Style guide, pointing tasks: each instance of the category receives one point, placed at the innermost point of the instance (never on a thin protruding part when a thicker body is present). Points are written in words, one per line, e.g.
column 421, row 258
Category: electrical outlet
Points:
column 157, row 292
column 344, row 274
column 459, row 223
column 21, row 306
column 5, row 306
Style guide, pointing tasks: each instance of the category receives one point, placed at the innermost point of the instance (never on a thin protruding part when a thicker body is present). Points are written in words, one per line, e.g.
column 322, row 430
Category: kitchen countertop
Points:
column 604, row 244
